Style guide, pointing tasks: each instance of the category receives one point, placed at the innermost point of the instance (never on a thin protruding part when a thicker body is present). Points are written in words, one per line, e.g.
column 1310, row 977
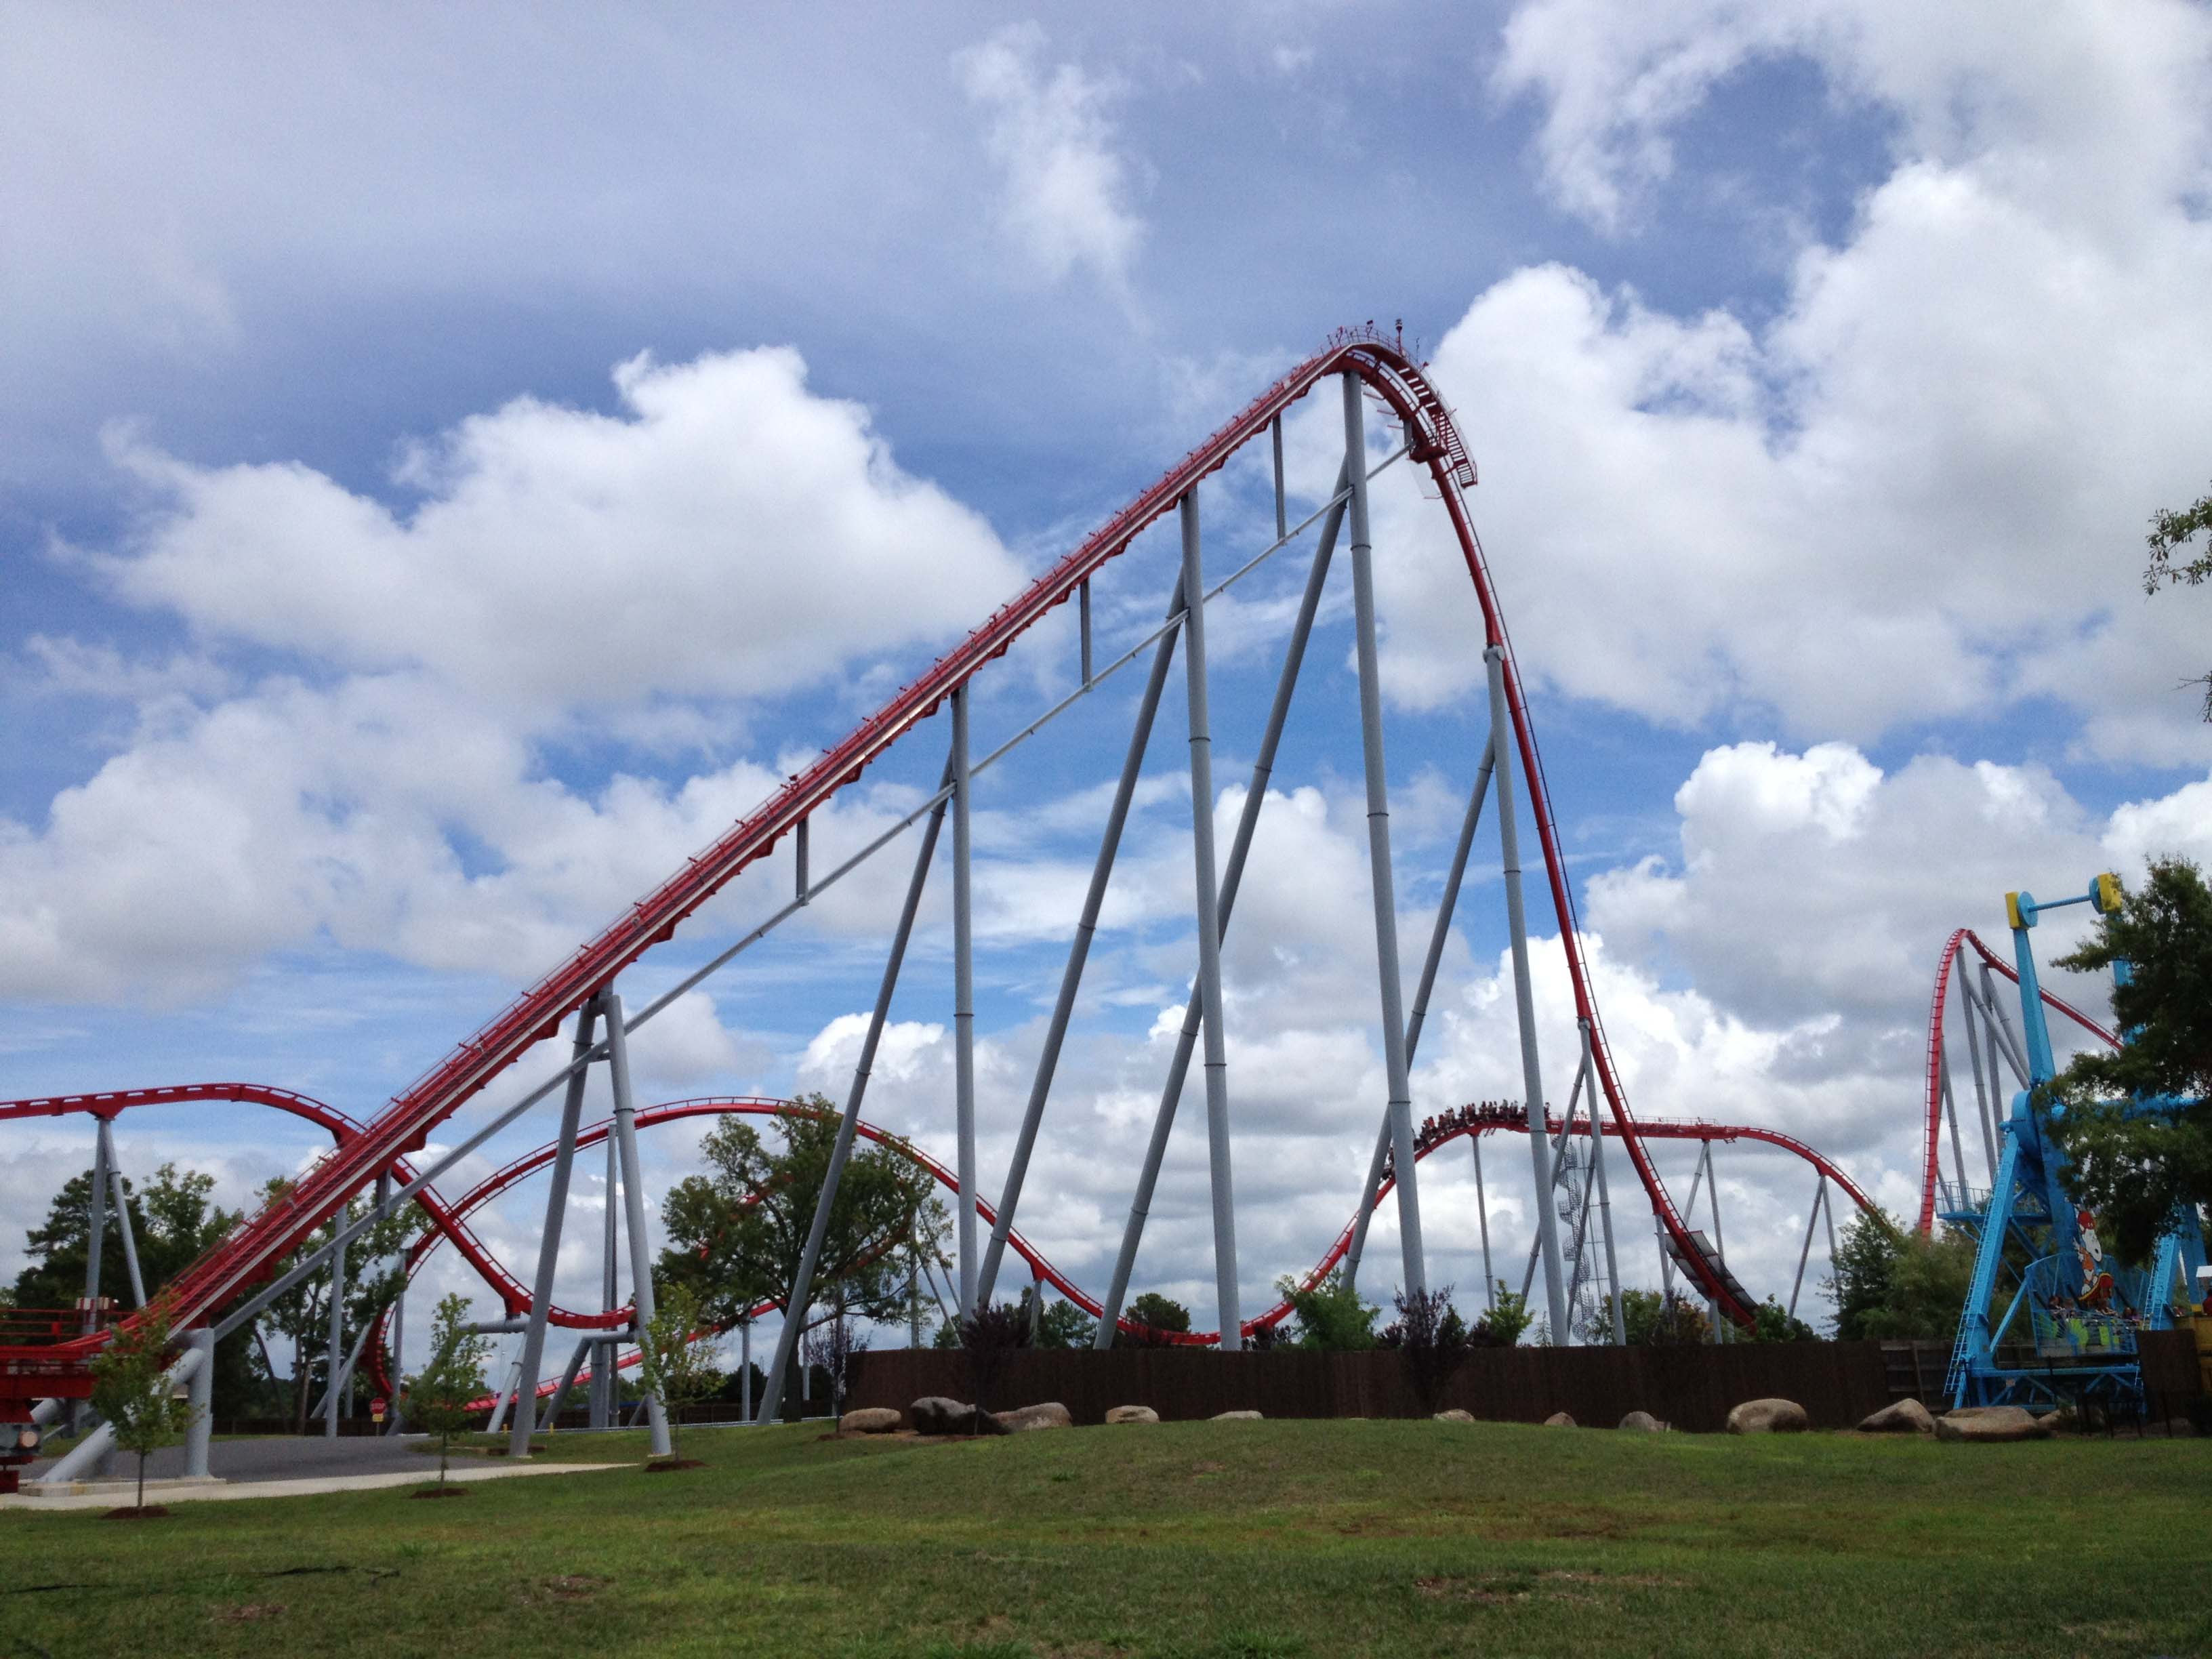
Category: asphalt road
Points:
column 278, row 1457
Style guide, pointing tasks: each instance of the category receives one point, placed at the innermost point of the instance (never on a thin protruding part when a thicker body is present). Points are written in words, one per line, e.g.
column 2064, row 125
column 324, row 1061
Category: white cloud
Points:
column 1066, row 187
column 729, row 532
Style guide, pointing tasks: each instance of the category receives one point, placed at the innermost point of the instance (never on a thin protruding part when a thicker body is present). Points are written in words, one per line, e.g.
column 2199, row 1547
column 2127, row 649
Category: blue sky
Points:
column 453, row 462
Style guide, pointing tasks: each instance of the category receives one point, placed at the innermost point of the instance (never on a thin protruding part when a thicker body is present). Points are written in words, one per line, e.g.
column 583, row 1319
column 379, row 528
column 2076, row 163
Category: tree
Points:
column 736, row 1234
column 131, row 1388
column 1890, row 1282
column 1332, row 1319
column 675, row 1361
column 837, row 1347
column 172, row 1221
column 1772, row 1323
column 1157, row 1317
column 2136, row 1123
column 1432, row 1343
column 441, row 1397
column 987, row 1336
column 1059, row 1323
column 1503, row 1326
column 1657, row 1321
column 375, row 1277
column 2170, row 531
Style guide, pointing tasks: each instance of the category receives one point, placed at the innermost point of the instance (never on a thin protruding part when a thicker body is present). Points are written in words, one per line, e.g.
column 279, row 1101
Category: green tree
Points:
column 1893, row 1284
column 736, row 1234
column 441, row 1397
column 1655, row 1320
column 2171, row 531
column 1158, row 1316
column 1504, row 1325
column 1432, row 1343
column 131, row 1388
column 675, row 1361
column 1332, row 1319
column 374, row 1278
column 1059, row 1324
column 2132, row 1163
column 172, row 1221
column 1775, row 1323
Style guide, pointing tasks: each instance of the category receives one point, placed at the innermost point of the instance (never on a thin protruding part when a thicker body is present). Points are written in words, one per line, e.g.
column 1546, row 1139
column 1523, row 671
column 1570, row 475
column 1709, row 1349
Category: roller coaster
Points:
column 304, row 1233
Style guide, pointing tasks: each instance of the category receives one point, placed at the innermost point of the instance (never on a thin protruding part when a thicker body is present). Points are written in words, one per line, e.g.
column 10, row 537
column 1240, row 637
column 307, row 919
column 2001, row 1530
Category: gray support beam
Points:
column 98, row 1447
column 96, row 1221
column 604, row 1392
column 199, row 1427
column 1232, row 876
column 1078, row 952
column 1805, row 1253
column 633, row 1180
column 745, row 1369
column 2002, row 1027
column 549, row 1420
column 1665, row 1261
column 1482, row 1219
column 120, row 1196
column 1282, row 517
column 549, row 1239
column 1604, row 1195
column 1524, row 998
column 333, row 1399
column 1208, row 897
column 1713, row 1202
column 1383, row 880
column 508, row 1394
column 1951, row 1113
column 963, row 1004
column 1974, row 1055
column 802, row 1288
column 1083, row 627
column 1439, row 933
column 799, row 838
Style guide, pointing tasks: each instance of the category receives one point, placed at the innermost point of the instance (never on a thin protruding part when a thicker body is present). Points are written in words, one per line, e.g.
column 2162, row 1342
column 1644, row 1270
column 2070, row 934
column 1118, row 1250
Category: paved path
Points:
column 108, row 1495
column 278, row 1457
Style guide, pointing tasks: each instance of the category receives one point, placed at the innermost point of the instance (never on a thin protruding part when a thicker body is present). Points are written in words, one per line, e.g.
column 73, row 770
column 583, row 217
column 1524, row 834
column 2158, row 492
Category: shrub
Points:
column 1432, row 1344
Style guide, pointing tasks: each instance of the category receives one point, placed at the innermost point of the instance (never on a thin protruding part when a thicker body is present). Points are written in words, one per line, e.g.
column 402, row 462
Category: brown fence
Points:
column 1836, row 1382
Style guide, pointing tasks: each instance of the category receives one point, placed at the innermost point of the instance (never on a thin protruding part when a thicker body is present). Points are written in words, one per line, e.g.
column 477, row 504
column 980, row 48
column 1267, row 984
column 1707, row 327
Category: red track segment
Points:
column 1937, row 1002
column 252, row 1253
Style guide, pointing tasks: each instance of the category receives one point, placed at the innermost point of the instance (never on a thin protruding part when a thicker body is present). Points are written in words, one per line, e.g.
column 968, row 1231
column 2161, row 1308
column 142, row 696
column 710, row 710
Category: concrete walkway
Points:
column 113, row 1494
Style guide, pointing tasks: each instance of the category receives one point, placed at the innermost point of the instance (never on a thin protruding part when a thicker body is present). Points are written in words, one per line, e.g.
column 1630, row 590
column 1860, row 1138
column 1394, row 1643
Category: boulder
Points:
column 1768, row 1417
column 1558, row 1420
column 1991, row 1423
column 1905, row 1417
column 1236, row 1417
column 1049, row 1415
column 934, row 1415
column 1455, row 1415
column 1132, row 1415
column 1643, row 1423
column 869, row 1419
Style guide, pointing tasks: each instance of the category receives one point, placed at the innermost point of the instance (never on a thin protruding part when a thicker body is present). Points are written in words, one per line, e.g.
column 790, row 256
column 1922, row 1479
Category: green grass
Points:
column 1255, row 1539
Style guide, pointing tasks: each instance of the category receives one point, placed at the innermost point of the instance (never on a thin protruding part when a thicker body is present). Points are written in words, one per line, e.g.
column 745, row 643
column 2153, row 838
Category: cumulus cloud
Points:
column 1065, row 187
column 1916, row 490
column 728, row 532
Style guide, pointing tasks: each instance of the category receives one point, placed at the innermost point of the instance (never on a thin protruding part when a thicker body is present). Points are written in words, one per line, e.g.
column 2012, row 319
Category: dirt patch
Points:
column 573, row 1587
column 669, row 1465
column 1553, row 1585
column 130, row 1512
column 1209, row 1468
column 250, row 1613
column 440, row 1492
column 1461, row 1590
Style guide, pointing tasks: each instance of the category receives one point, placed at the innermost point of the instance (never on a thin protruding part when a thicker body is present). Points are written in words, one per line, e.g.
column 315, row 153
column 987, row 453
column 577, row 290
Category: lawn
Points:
column 1216, row 1539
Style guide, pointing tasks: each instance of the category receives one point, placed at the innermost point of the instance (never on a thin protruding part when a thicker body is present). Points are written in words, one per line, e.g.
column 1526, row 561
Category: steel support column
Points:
column 120, row 1197
column 802, row 1288
column 1208, row 897
column 96, row 1221
column 332, row 1398
column 1381, row 877
column 964, row 1006
column 1482, row 1219
column 1805, row 1253
column 633, row 1180
column 1078, row 952
column 549, row 1241
column 1604, row 1195
column 1439, row 934
column 1974, row 1055
column 396, row 1406
column 1524, row 998
column 1232, row 876
column 199, row 1425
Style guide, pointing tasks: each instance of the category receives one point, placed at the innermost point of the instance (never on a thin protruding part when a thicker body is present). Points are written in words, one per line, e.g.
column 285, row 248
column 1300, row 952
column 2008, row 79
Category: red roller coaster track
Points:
column 250, row 1255
column 1938, row 1002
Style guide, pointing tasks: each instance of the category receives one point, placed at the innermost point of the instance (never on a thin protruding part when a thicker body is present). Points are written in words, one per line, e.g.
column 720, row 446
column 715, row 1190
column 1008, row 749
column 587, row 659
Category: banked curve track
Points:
column 250, row 1253
column 1938, row 1005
